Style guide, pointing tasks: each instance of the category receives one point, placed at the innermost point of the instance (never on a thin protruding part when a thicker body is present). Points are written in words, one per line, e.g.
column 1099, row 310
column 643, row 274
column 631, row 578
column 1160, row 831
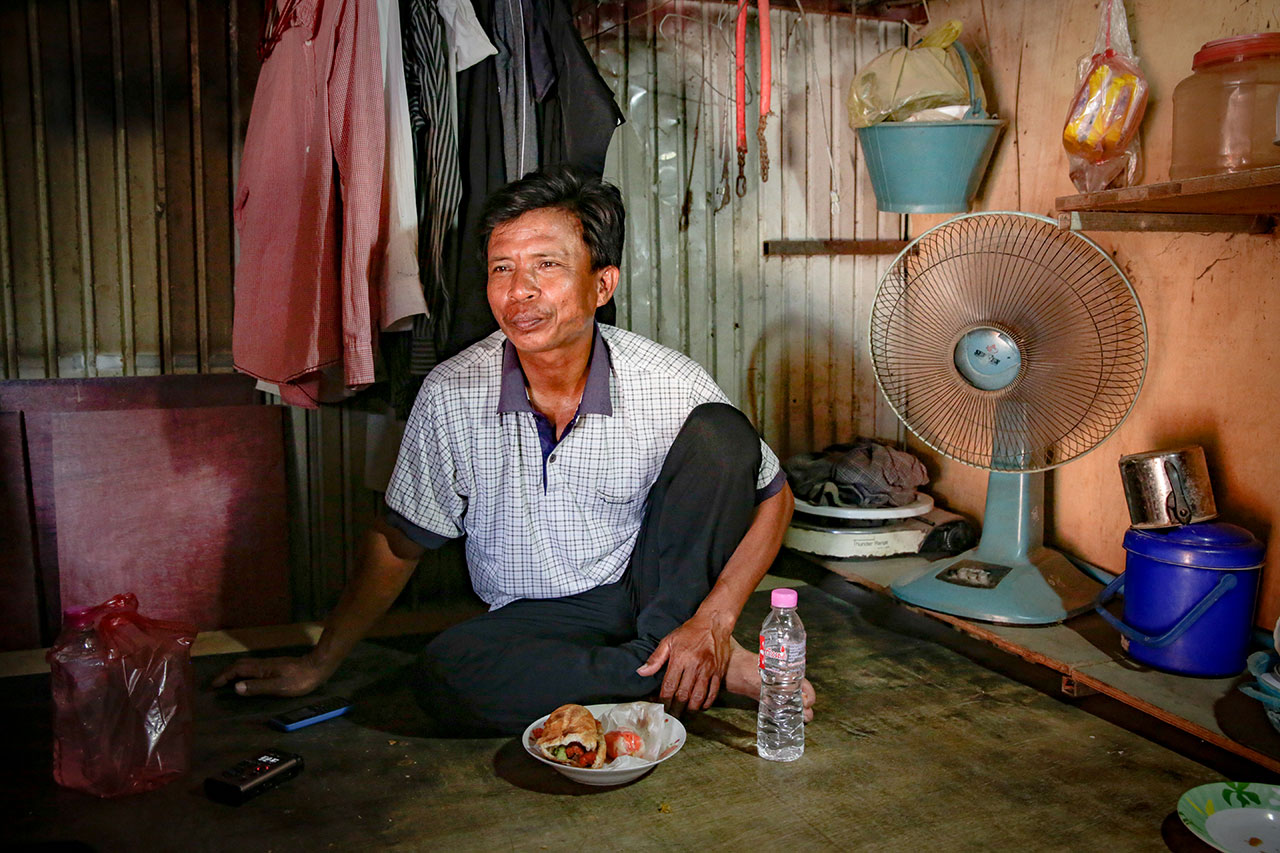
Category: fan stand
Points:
column 1010, row 577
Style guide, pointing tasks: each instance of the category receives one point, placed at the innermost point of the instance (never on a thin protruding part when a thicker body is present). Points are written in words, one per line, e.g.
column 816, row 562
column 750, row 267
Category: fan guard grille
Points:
column 1068, row 308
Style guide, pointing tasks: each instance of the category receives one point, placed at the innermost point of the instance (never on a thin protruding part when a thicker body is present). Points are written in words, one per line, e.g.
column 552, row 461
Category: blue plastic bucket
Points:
column 928, row 166
column 1188, row 597
column 931, row 166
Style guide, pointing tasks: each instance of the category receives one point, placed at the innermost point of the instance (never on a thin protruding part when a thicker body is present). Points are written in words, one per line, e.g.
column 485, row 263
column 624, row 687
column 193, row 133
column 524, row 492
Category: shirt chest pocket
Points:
column 615, row 503
column 623, row 484
column 618, row 484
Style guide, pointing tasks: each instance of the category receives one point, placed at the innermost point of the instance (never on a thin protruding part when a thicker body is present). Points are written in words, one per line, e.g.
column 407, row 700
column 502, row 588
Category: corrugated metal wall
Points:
column 785, row 337
column 119, row 144
column 118, row 168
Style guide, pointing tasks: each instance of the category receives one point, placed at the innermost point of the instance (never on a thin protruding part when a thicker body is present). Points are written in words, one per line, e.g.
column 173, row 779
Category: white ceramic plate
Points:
column 603, row 775
column 1235, row 817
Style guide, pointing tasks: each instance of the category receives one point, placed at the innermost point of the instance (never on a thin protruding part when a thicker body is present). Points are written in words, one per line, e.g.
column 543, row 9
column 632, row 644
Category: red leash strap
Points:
column 740, row 89
column 766, row 85
column 740, row 93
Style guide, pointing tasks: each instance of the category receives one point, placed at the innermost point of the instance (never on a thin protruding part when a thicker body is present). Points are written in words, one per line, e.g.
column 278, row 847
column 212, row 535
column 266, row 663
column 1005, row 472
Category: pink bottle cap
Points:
column 783, row 598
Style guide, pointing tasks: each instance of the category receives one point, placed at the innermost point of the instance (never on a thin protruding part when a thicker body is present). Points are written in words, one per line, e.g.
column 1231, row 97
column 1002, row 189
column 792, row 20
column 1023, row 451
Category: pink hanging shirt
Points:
column 308, row 205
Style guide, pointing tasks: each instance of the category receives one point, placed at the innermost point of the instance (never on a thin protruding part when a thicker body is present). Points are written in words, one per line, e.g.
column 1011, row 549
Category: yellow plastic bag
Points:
column 904, row 81
column 1100, row 133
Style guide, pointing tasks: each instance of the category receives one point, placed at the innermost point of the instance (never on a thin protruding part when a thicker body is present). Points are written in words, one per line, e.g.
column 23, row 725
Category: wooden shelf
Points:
column 1241, row 202
column 1086, row 652
column 773, row 248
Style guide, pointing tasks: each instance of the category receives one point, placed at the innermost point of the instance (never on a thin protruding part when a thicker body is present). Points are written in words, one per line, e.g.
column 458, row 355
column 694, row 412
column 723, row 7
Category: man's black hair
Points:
column 597, row 204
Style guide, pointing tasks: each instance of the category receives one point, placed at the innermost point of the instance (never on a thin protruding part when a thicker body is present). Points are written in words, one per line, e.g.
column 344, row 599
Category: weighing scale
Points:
column 848, row 531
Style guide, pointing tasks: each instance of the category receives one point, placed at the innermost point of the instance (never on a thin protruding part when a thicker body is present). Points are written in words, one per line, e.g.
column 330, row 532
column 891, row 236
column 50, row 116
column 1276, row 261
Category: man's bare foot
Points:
column 743, row 678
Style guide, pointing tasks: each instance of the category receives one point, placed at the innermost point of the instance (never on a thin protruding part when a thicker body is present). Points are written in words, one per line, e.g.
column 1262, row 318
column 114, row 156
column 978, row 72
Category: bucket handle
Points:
column 1225, row 584
column 975, row 103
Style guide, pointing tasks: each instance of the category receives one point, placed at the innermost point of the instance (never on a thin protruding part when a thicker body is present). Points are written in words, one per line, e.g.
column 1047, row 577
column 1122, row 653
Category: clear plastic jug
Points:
column 1225, row 115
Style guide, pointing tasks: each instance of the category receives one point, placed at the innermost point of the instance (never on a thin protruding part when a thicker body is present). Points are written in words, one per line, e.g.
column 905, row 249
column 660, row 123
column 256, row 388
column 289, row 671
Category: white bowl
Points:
column 603, row 775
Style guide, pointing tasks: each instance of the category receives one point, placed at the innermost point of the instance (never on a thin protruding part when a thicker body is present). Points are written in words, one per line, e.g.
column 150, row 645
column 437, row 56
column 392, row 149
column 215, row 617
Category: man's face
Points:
column 542, row 290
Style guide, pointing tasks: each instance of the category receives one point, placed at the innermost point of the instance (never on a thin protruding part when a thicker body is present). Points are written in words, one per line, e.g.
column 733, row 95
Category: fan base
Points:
column 1042, row 589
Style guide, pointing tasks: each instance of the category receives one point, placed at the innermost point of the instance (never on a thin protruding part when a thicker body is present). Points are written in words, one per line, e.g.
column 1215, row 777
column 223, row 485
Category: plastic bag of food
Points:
column 904, row 81
column 1100, row 133
column 122, row 699
column 636, row 729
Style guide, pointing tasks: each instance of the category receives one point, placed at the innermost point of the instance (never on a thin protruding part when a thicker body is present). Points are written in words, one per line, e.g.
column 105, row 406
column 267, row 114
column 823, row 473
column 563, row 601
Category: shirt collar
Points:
column 595, row 396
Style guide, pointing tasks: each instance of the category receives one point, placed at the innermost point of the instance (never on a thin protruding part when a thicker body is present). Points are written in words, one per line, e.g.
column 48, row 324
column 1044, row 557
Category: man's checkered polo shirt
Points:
column 471, row 463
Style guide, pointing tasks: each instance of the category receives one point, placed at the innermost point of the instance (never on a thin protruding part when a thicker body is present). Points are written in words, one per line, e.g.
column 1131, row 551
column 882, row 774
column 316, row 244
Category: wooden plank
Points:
column 1250, row 191
column 1087, row 653
column 1195, row 223
column 40, row 398
column 150, row 392
column 1211, row 709
column 833, row 247
column 19, row 595
column 39, row 449
column 268, row 637
column 184, row 507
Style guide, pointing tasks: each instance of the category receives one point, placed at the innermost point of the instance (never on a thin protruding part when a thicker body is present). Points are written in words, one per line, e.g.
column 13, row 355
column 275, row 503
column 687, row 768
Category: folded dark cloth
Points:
column 863, row 473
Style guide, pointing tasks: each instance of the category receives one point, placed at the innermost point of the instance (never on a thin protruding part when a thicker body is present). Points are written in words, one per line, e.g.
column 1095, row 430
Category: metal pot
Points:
column 1168, row 488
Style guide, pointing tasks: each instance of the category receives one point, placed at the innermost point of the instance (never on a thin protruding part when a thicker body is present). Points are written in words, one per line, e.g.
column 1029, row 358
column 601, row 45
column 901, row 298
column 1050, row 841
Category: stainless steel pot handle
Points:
column 1176, row 503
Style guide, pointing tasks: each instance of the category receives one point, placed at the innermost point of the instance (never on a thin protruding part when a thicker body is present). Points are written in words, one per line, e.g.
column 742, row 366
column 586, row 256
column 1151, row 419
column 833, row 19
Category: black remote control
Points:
column 316, row 712
column 252, row 776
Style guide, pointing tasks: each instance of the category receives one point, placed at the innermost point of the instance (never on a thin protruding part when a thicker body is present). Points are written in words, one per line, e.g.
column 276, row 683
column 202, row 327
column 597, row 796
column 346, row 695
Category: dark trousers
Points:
column 498, row 672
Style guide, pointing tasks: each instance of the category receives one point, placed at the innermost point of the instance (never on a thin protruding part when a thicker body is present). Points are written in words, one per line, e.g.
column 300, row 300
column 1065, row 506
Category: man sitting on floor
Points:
column 617, row 510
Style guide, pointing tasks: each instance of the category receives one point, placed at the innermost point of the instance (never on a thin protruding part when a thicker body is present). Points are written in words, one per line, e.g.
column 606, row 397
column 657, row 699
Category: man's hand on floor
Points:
column 696, row 656
column 273, row 676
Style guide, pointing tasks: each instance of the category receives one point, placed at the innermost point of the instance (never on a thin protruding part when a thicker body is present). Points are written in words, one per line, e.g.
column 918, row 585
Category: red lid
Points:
column 1237, row 49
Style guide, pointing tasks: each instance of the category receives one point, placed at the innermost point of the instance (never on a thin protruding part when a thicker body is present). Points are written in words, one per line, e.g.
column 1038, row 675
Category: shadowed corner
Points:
column 514, row 765
column 1178, row 838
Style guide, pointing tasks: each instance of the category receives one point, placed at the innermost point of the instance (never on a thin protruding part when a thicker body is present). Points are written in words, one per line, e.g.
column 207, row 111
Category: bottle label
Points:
column 779, row 654
column 783, row 654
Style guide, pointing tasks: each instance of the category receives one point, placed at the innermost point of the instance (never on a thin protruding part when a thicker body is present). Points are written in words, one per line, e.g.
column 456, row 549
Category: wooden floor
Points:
column 925, row 739
column 1087, row 652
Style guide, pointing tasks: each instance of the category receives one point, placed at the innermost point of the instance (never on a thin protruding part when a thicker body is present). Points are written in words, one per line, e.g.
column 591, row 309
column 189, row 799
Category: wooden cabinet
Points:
column 171, row 487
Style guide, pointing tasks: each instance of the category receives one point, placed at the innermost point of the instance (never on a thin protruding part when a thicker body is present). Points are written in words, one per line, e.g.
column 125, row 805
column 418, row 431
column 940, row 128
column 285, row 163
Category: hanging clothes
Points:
column 578, row 114
column 575, row 114
column 525, row 74
column 400, row 284
column 442, row 38
column 305, row 297
column 439, row 187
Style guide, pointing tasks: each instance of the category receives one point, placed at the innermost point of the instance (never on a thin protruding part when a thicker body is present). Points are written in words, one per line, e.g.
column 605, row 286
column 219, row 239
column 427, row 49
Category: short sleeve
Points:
column 428, row 487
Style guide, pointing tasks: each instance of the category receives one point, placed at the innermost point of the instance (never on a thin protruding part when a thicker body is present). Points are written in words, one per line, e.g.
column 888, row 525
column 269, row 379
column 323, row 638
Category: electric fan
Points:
column 1009, row 344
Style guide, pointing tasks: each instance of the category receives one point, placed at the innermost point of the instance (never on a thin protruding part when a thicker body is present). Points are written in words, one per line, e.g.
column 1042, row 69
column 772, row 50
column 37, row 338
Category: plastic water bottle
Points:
column 780, row 720
column 78, row 671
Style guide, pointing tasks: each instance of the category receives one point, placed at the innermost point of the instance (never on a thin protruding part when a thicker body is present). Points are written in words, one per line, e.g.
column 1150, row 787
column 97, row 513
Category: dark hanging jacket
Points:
column 577, row 118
